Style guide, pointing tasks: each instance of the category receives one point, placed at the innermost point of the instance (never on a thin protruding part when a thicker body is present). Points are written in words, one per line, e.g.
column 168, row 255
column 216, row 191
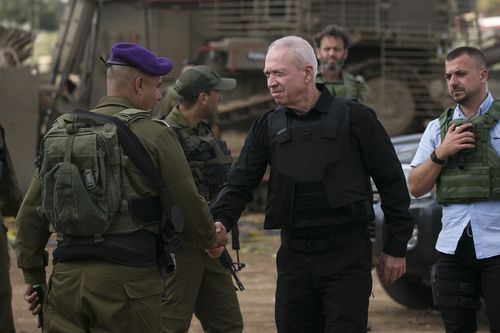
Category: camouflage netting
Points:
column 15, row 46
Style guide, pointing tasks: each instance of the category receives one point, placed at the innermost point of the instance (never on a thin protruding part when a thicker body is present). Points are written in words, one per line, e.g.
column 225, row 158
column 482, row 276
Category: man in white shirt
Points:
column 459, row 153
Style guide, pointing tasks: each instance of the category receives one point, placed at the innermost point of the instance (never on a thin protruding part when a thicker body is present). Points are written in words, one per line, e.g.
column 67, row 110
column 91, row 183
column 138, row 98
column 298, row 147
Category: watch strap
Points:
column 435, row 159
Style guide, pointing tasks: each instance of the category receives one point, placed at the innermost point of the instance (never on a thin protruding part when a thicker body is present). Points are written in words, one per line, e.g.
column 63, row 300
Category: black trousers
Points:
column 325, row 291
column 483, row 274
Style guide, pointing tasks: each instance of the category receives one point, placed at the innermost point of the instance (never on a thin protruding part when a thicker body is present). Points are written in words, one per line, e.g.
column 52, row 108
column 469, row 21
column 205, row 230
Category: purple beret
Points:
column 134, row 55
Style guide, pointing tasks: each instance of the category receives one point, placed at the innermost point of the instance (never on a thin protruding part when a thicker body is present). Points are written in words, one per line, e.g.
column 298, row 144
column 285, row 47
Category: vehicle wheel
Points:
column 401, row 93
column 394, row 104
column 410, row 292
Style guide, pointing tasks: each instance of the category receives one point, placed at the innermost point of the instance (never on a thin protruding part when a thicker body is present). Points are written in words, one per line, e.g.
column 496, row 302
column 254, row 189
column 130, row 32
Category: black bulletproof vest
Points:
column 317, row 173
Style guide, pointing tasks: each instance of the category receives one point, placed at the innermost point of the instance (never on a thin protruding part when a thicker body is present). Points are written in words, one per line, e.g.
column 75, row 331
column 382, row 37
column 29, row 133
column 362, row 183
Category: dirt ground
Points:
column 257, row 300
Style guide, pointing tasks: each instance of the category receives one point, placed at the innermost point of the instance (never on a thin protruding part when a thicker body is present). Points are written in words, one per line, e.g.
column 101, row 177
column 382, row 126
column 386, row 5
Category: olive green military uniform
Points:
column 168, row 101
column 10, row 200
column 84, row 294
column 350, row 87
column 200, row 285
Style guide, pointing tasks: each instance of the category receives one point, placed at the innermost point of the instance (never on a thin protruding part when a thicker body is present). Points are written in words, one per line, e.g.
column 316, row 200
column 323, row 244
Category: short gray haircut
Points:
column 301, row 50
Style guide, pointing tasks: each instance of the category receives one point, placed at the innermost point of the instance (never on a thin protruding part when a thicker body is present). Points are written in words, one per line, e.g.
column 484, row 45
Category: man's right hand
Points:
column 222, row 238
column 458, row 137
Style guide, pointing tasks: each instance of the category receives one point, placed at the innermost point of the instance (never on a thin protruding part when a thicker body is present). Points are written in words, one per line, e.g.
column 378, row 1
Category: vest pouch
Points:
column 344, row 191
column 280, row 193
column 69, row 206
column 81, row 176
column 495, row 184
column 471, row 184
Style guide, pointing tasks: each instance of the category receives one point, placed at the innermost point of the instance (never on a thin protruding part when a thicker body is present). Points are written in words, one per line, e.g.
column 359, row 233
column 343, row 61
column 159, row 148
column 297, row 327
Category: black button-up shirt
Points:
column 378, row 156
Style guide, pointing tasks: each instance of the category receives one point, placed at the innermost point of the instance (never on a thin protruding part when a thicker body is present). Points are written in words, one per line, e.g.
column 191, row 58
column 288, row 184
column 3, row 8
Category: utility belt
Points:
column 323, row 238
column 137, row 249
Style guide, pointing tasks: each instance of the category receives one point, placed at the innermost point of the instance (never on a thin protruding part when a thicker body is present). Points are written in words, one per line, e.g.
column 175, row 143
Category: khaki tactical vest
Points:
column 208, row 158
column 85, row 189
column 474, row 175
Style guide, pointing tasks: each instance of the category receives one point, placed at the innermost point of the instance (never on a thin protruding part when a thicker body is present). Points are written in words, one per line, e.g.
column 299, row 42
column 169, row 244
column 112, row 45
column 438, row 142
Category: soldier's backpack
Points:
column 82, row 172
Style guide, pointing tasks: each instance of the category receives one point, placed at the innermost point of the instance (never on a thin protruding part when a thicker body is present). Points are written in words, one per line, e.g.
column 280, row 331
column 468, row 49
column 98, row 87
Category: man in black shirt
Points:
column 322, row 151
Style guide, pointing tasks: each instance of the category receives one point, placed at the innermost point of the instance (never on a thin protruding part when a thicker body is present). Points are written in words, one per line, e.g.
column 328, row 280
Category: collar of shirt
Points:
column 176, row 117
column 115, row 101
column 483, row 108
column 322, row 104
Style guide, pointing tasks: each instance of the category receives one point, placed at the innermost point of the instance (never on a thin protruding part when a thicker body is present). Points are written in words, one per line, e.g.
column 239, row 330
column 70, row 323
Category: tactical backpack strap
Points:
column 339, row 109
column 131, row 145
column 278, row 126
column 444, row 121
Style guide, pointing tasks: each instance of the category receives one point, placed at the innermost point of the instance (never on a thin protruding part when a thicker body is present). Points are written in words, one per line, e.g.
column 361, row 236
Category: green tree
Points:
column 26, row 12
column 489, row 7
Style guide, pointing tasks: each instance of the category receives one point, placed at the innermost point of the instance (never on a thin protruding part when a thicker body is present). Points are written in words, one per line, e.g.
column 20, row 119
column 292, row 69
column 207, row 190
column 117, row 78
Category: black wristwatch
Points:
column 435, row 159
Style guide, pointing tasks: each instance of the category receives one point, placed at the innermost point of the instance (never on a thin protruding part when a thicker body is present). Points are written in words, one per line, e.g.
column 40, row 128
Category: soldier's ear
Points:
column 203, row 97
column 138, row 85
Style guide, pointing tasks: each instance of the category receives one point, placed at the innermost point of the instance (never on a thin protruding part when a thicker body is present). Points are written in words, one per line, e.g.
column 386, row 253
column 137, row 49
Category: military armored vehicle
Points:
column 397, row 46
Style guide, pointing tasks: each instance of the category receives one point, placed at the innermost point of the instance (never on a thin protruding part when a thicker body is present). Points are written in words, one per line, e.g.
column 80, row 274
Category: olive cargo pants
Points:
column 98, row 297
column 6, row 320
column 200, row 285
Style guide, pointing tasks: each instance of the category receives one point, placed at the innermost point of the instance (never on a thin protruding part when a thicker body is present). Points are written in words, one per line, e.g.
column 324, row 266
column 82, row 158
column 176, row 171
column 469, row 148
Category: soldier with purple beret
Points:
column 112, row 283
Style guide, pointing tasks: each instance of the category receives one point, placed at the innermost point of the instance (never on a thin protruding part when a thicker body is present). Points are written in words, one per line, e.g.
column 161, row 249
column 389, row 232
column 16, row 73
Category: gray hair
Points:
column 301, row 50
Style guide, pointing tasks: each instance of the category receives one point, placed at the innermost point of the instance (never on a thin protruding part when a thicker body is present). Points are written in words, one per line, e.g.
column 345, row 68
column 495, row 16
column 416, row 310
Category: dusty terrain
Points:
column 257, row 301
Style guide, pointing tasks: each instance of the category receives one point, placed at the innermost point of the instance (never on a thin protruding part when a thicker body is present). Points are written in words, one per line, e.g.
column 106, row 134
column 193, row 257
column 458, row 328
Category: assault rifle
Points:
column 227, row 261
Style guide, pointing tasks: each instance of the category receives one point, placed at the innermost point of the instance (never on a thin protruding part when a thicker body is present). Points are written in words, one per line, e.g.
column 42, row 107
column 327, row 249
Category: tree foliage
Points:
column 489, row 7
column 44, row 14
